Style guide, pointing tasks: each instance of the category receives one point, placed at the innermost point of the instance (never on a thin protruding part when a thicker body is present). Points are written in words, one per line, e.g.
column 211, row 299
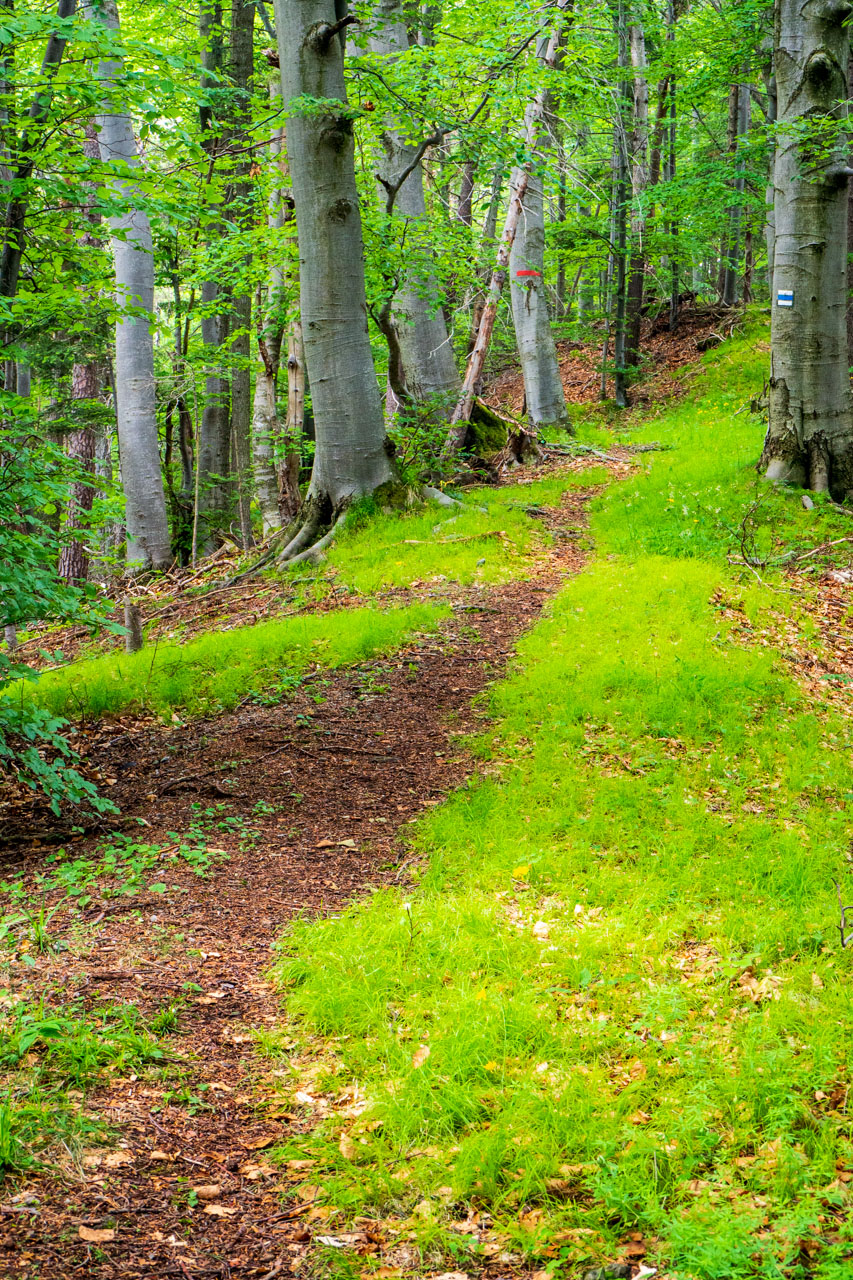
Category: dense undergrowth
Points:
column 614, row 1012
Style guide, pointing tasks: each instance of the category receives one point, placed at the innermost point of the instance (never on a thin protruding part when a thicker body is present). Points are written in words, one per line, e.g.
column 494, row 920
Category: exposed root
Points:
column 302, row 539
column 315, row 551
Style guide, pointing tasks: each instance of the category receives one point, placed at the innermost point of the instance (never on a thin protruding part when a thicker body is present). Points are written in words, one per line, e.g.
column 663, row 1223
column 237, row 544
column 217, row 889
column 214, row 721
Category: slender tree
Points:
column 412, row 320
column 543, row 387
column 148, row 544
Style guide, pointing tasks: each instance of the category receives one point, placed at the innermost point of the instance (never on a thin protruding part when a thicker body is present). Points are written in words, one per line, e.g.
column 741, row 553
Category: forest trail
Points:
column 321, row 788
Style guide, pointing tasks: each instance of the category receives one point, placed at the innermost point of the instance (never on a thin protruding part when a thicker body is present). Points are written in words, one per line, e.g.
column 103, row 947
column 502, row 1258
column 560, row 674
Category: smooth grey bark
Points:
column 352, row 456
column 810, row 434
column 265, row 424
column 240, row 68
column 425, row 351
column 148, row 544
column 639, row 165
column 731, row 264
column 214, row 484
column 619, row 232
column 537, row 351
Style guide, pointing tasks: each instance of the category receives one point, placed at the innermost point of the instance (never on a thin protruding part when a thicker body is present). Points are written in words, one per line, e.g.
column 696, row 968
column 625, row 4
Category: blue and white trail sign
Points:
column 785, row 298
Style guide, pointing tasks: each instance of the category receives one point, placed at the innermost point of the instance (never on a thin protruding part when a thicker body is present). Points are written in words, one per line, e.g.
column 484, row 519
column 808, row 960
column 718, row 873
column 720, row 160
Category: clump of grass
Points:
column 616, row 1001
column 217, row 670
column 48, row 1056
column 489, row 539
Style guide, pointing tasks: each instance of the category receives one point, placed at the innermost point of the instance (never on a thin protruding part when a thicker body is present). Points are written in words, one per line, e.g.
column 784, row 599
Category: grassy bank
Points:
column 613, row 1016
column 219, row 669
column 489, row 539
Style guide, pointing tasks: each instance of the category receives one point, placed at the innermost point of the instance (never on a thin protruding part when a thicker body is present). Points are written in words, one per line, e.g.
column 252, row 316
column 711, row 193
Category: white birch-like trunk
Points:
column 426, row 352
column 537, row 351
column 148, row 544
column 352, row 455
column 810, row 433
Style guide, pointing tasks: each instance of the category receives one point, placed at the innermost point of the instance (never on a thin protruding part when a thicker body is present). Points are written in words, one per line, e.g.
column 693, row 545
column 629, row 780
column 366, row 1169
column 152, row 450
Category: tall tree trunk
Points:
column 490, row 226
column 241, row 66
column 270, row 319
column 770, row 219
column 425, row 351
column 352, row 455
column 639, row 161
column 620, row 212
column 672, row 140
column 142, row 480
column 27, row 149
column 80, row 446
column 214, row 485
column 731, row 262
column 543, row 387
column 80, row 443
column 461, row 419
column 810, row 434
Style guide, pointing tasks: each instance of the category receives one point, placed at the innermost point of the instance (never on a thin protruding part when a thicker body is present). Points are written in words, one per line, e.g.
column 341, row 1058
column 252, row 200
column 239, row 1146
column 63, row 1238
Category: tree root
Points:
column 294, row 554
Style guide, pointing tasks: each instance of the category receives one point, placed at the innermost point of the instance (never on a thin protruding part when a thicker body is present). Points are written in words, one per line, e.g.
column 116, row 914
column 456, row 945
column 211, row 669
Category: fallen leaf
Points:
column 208, row 1192
column 634, row 1250
column 161, row 1155
column 93, row 1236
column 451, row 1275
column 639, row 1117
column 258, row 1144
column 115, row 1159
column 420, row 1056
column 346, row 1146
column 219, row 1211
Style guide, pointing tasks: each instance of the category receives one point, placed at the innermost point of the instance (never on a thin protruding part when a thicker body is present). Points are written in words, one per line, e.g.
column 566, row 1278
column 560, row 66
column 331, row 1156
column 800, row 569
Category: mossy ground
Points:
column 613, row 1013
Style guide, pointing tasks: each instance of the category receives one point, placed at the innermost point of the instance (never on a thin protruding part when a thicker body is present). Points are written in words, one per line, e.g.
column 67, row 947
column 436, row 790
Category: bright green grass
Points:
column 622, row 955
column 436, row 544
column 219, row 669
column 47, row 1057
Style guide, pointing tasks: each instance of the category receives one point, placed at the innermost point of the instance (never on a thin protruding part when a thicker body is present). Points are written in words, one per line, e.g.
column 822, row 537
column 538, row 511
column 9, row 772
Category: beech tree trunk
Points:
column 148, row 544
column 543, row 387
column 265, row 425
column 638, row 144
column 214, row 484
column 619, row 225
column 739, row 112
column 80, row 445
column 810, row 435
column 352, row 455
column 425, row 351
column 241, row 65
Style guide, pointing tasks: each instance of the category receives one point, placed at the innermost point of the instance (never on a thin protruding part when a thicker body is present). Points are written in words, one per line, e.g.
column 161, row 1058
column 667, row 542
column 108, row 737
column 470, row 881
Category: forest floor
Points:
column 507, row 948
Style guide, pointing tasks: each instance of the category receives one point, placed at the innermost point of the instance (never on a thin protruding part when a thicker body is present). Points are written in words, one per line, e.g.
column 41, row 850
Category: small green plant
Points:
column 45, row 1053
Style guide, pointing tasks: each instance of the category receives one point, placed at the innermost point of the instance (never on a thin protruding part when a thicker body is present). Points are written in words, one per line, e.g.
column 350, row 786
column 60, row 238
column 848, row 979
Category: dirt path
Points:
column 323, row 788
